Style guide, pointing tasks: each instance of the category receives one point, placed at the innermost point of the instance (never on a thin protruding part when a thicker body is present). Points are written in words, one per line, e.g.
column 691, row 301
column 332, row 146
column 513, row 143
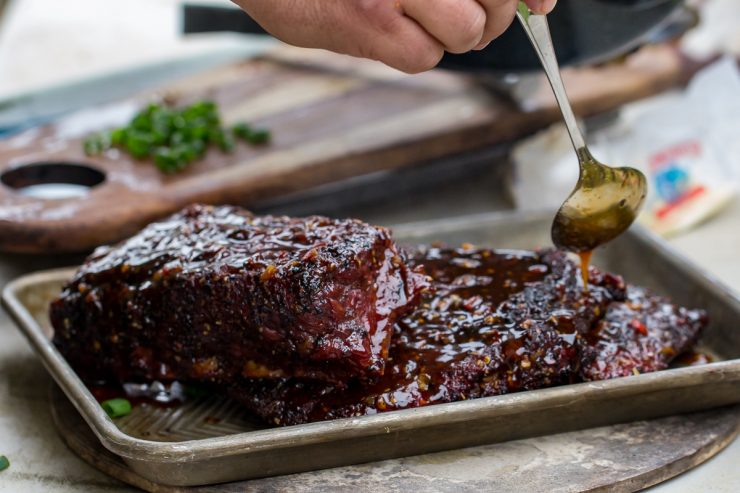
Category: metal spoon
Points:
column 605, row 200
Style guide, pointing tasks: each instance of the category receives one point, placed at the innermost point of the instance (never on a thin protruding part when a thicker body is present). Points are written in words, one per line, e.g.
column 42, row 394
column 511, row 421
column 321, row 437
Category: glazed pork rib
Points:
column 498, row 322
column 215, row 293
column 642, row 334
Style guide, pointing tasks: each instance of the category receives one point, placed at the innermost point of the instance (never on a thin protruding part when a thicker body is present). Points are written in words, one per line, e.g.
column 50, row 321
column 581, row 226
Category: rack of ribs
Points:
column 215, row 293
column 495, row 322
column 312, row 319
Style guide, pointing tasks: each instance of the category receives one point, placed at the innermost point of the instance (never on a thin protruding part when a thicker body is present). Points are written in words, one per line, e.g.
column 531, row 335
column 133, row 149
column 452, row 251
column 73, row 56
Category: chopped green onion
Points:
column 118, row 136
column 4, row 463
column 139, row 143
column 226, row 142
column 199, row 147
column 174, row 137
column 178, row 121
column 177, row 137
column 254, row 136
column 96, row 144
column 241, row 130
column 259, row 136
column 199, row 133
column 165, row 160
column 116, row 408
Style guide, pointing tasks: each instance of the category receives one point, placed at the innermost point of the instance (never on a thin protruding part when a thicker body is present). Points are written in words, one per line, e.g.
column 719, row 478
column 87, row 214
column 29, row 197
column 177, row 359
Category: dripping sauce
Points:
column 585, row 262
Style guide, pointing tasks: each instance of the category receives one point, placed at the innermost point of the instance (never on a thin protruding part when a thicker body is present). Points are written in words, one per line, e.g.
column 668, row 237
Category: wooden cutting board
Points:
column 332, row 117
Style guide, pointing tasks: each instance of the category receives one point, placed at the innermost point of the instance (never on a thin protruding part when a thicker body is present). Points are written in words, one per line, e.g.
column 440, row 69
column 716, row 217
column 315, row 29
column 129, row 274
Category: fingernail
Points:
column 481, row 46
column 545, row 6
column 541, row 6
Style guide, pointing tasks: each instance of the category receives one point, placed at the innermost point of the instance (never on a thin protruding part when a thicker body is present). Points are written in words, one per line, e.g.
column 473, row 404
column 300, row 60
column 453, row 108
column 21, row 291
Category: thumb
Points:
column 540, row 6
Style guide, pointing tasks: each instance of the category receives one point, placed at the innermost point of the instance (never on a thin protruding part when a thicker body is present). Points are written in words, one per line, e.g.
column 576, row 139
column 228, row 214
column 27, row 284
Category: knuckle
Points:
column 497, row 26
column 376, row 13
column 368, row 7
column 422, row 59
column 469, row 31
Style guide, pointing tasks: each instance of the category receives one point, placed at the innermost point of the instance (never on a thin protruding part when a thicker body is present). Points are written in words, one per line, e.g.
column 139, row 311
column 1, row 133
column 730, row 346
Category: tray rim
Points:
column 130, row 447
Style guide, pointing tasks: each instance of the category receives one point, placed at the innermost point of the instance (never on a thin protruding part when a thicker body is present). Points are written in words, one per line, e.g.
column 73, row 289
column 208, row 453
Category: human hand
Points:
column 410, row 35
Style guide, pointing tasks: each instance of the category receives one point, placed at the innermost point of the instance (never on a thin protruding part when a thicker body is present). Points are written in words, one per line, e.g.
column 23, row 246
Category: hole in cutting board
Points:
column 56, row 180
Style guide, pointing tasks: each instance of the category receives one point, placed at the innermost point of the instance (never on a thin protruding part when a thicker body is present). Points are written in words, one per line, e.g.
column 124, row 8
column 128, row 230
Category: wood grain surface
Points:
column 332, row 117
column 619, row 458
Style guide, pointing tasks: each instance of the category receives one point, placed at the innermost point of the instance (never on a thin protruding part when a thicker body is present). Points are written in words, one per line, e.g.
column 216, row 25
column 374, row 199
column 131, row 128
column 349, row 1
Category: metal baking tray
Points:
column 210, row 440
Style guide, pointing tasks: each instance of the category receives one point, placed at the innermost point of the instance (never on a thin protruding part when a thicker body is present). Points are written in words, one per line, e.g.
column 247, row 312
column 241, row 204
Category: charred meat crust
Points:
column 213, row 293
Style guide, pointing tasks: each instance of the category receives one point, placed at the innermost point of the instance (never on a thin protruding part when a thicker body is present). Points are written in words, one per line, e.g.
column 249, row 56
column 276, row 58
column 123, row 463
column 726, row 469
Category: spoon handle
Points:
column 539, row 34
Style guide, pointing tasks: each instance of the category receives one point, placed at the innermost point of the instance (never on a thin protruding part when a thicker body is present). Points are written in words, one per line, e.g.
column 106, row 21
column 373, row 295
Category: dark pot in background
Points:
column 583, row 31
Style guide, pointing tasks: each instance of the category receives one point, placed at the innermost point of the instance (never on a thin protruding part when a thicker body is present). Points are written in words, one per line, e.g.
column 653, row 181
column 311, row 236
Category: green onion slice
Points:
column 116, row 408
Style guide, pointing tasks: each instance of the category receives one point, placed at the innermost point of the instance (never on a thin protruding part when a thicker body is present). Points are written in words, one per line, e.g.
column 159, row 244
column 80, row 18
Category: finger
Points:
column 374, row 29
column 393, row 38
column 409, row 48
column 458, row 25
column 541, row 6
column 499, row 15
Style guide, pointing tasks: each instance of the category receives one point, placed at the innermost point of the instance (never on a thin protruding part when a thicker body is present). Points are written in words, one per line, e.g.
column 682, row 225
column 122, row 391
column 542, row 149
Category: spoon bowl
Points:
column 604, row 203
column 606, row 200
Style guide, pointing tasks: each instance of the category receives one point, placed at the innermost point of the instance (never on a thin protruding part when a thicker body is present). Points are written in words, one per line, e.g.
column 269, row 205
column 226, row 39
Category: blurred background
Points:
column 76, row 39
column 651, row 78
column 45, row 43
column 656, row 83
